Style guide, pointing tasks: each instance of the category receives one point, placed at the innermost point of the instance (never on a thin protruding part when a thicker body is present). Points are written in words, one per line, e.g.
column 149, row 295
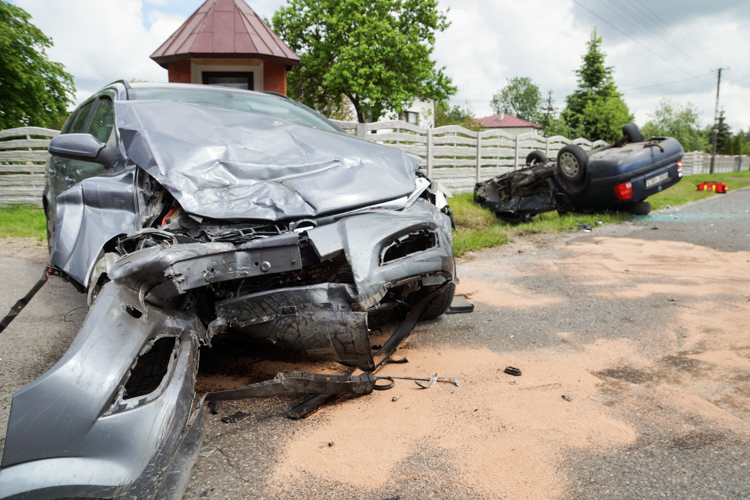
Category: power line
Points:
column 642, row 21
column 667, row 83
column 687, row 42
column 636, row 41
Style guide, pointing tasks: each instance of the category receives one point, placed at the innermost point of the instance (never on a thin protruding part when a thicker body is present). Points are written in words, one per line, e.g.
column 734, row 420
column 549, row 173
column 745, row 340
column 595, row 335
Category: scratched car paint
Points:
column 191, row 212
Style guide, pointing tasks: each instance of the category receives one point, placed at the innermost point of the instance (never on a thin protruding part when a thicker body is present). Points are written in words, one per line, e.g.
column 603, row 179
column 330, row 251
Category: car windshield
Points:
column 239, row 101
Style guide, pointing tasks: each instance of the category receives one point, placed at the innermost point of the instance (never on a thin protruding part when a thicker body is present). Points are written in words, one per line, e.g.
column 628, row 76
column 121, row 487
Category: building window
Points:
column 409, row 116
column 238, row 80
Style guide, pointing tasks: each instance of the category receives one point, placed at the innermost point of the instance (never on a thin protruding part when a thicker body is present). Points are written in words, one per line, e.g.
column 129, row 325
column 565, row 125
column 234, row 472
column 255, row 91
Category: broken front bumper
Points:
column 72, row 434
column 77, row 432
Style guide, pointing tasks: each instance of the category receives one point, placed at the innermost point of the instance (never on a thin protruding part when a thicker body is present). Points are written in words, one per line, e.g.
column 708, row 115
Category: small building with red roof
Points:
column 225, row 42
column 508, row 123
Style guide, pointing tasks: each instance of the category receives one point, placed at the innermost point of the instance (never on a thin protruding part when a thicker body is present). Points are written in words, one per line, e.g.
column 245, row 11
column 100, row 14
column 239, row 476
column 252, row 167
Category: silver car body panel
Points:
column 76, row 431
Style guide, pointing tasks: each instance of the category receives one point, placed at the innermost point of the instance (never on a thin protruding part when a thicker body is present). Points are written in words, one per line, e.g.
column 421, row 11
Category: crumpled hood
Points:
column 228, row 164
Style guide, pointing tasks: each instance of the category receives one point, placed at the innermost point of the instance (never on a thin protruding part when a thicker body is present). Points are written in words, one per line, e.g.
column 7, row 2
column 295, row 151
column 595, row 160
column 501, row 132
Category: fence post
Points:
column 429, row 152
column 362, row 130
column 479, row 156
column 546, row 150
column 515, row 161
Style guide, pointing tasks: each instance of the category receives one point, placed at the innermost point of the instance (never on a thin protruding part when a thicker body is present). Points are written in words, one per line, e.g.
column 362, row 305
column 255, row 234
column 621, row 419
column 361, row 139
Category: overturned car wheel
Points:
column 632, row 133
column 536, row 158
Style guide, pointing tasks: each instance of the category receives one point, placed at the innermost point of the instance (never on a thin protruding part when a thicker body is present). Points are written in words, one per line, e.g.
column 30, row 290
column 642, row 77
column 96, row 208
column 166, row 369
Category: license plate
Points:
column 653, row 181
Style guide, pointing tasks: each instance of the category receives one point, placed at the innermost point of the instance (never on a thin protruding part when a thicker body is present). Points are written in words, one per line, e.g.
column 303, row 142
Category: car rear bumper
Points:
column 601, row 193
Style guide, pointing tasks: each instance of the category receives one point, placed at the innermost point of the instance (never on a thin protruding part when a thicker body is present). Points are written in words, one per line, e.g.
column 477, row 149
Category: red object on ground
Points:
column 718, row 187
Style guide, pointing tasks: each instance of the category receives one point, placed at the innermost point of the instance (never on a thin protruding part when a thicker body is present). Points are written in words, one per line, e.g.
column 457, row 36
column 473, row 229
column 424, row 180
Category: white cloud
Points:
column 102, row 41
column 488, row 42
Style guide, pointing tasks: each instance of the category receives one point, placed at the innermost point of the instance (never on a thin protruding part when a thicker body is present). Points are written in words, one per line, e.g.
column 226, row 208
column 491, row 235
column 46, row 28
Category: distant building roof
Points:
column 504, row 120
column 224, row 28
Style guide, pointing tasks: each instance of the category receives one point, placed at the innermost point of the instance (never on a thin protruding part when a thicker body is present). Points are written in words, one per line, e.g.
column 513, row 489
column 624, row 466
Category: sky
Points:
column 660, row 49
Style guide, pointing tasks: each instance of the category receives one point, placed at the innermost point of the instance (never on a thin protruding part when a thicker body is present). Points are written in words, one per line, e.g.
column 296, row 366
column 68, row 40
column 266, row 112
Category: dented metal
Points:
column 211, row 221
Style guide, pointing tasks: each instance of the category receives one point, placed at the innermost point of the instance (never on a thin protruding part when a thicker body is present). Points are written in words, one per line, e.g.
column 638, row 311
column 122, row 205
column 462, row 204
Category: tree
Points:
column 722, row 137
column 680, row 122
column 375, row 53
column 596, row 94
column 33, row 90
column 456, row 115
column 548, row 113
column 521, row 98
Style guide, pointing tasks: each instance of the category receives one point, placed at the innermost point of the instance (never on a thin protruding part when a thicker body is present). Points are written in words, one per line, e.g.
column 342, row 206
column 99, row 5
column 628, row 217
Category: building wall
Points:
column 267, row 75
column 516, row 130
column 274, row 77
column 179, row 71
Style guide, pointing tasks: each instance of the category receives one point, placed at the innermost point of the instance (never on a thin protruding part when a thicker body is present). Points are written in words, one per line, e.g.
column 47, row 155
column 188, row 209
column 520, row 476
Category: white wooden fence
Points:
column 698, row 162
column 458, row 157
column 23, row 152
column 453, row 155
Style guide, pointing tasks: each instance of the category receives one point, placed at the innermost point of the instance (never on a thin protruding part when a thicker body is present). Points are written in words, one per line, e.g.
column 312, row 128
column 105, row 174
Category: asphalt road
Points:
column 677, row 451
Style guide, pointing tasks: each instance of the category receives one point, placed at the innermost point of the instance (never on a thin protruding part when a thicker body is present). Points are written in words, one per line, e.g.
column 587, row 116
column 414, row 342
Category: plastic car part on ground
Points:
column 717, row 187
column 619, row 176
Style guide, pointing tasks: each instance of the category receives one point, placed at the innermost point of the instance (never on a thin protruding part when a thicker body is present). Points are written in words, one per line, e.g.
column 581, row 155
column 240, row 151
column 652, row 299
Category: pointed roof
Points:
column 504, row 120
column 224, row 28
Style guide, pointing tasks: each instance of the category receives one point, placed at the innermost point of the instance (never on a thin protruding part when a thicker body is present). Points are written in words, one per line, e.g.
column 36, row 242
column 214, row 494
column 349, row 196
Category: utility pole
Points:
column 716, row 117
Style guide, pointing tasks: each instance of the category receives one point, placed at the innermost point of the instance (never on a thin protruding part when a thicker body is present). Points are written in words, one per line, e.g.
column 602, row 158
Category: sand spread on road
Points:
column 507, row 440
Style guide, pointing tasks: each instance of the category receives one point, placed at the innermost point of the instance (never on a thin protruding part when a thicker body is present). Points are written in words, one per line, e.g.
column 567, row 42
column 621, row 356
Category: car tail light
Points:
column 624, row 191
column 679, row 169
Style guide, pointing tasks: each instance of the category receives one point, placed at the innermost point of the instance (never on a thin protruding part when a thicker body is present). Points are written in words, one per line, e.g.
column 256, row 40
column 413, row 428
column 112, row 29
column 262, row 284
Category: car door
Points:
column 100, row 124
column 56, row 166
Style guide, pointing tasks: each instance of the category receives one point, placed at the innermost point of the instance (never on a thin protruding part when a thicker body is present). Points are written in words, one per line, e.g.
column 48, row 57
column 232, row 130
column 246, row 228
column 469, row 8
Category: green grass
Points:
column 685, row 192
column 23, row 221
column 478, row 228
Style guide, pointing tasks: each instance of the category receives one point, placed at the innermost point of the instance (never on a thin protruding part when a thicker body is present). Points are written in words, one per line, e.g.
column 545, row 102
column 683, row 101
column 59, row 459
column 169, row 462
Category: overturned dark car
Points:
column 185, row 211
column 618, row 176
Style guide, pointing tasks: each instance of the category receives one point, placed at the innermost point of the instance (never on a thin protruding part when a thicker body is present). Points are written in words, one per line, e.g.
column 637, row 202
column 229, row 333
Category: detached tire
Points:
column 536, row 158
column 441, row 303
column 632, row 133
column 571, row 163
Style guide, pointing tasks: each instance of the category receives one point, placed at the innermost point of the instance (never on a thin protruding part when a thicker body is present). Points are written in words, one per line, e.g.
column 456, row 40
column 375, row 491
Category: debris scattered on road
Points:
column 432, row 381
column 513, row 371
column 586, row 227
column 567, row 398
column 235, row 417
column 396, row 398
column 654, row 228
column 207, row 451
column 435, row 377
column 331, row 444
column 599, row 223
column 460, row 305
column 514, row 382
column 213, row 407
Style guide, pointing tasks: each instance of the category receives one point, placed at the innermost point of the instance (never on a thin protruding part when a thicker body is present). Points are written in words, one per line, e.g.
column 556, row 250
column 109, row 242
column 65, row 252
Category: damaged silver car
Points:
column 185, row 211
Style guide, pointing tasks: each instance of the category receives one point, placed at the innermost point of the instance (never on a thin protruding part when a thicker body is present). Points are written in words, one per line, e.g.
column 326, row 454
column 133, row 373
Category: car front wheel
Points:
column 439, row 304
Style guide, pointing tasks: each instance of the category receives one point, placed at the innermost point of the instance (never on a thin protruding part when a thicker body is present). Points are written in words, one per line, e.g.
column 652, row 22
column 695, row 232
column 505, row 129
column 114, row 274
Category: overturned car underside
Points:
column 280, row 232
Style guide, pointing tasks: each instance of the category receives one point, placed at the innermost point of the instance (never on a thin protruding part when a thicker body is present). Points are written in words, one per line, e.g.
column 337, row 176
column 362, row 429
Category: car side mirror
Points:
column 76, row 147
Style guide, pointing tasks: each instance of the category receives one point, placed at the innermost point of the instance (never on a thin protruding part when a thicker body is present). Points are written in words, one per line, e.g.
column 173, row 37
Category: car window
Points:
column 79, row 122
column 238, row 101
column 103, row 120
